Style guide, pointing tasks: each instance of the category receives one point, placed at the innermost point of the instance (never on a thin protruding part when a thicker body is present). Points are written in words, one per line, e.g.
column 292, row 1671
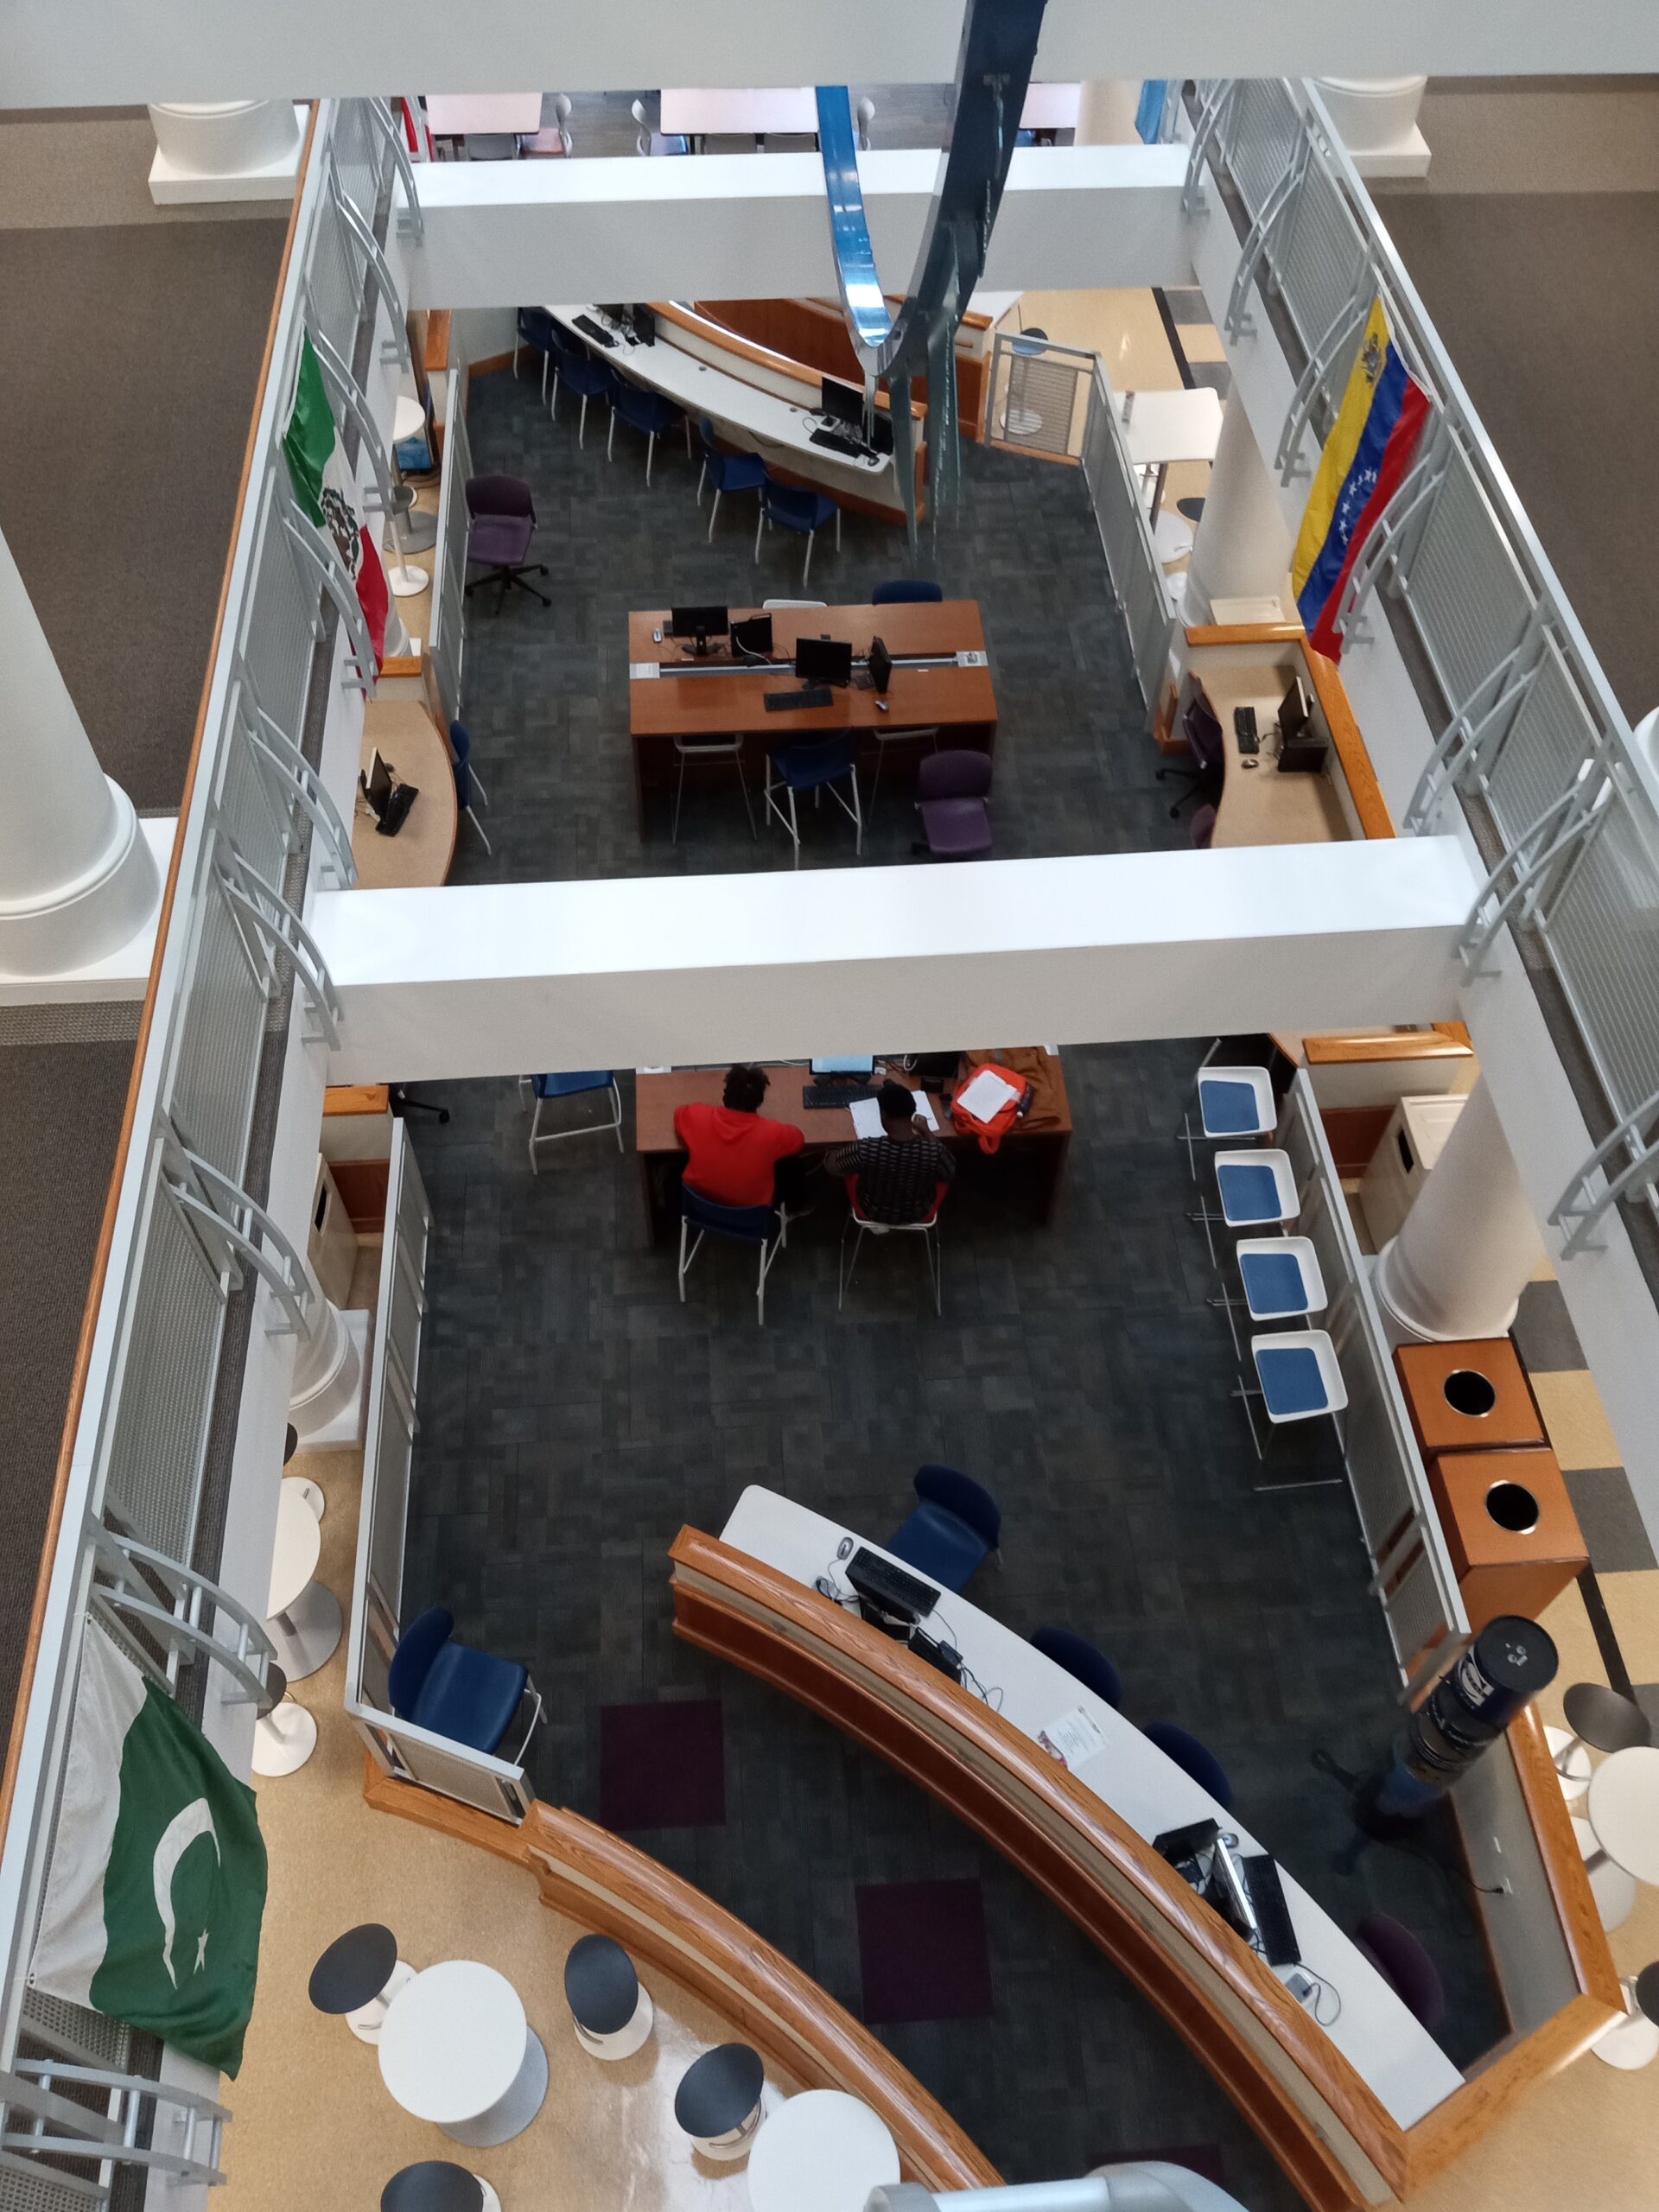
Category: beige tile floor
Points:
column 416, row 609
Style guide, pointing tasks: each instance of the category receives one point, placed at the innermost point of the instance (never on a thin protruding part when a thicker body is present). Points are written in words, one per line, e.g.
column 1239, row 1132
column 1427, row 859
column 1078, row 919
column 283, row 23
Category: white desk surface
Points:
column 1166, row 426
column 756, row 419
column 453, row 2042
column 299, row 1547
column 1373, row 2032
column 452, row 115
column 1051, row 107
column 822, row 2150
column 696, row 114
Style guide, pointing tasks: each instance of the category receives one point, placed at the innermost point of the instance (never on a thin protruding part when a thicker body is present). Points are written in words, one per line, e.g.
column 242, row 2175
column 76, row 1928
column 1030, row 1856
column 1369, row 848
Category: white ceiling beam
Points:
column 74, row 52
column 494, row 979
column 729, row 226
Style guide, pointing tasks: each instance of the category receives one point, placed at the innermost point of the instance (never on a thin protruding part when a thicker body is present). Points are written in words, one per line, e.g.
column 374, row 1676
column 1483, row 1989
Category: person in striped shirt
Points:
column 899, row 1172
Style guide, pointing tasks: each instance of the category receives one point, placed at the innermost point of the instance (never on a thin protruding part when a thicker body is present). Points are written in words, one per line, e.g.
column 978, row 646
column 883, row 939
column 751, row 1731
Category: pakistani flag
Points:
column 158, row 1869
column 326, row 495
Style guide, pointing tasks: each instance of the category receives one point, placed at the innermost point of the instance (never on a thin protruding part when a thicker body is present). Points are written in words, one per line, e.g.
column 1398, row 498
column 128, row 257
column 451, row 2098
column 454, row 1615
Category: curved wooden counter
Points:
column 1324, row 2124
column 421, row 854
column 595, row 1877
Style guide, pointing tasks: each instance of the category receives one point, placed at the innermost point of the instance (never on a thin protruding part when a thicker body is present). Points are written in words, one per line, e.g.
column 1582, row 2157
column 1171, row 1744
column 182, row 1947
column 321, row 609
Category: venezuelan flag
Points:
column 1366, row 455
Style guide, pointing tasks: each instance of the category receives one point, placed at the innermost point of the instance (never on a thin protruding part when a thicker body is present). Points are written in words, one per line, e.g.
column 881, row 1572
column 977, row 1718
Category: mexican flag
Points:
column 157, row 1884
column 327, row 496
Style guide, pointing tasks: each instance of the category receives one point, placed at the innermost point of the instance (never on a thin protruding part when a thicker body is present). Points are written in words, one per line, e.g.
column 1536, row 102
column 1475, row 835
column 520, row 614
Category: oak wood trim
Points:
column 1340, row 1050
column 357, row 1098
column 1474, row 2110
column 702, row 326
column 1458, row 1032
column 492, row 365
column 1552, row 1824
column 1324, row 2124
column 436, row 360
column 146, row 1023
column 1363, row 787
column 1244, row 634
column 401, row 664
column 602, row 1882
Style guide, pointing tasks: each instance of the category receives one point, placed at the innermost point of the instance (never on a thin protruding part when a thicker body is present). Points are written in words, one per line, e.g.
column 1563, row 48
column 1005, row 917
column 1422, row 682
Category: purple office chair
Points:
column 1204, row 740
column 1405, row 1966
column 950, row 790
column 1203, row 828
column 503, row 522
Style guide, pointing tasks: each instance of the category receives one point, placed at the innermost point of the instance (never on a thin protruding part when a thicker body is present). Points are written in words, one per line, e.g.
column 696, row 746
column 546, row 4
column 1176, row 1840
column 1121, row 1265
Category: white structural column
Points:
column 1241, row 548
column 1470, row 1245
column 77, row 878
column 226, row 150
column 328, row 1369
column 1106, row 113
column 1377, row 120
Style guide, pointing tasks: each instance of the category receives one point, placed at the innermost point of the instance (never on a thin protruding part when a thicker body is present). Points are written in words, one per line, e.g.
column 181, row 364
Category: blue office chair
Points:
column 791, row 508
column 445, row 1686
column 817, row 765
column 651, row 413
column 765, row 1228
column 468, row 782
column 729, row 471
column 570, row 1085
column 537, row 330
column 1082, row 1661
column 1194, row 1758
column 953, row 1530
column 907, row 591
column 588, row 379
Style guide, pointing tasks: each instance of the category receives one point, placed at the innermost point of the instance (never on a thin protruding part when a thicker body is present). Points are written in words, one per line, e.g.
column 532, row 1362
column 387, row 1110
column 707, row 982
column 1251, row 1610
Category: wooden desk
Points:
column 410, row 742
column 1259, row 806
column 1036, row 1149
column 730, row 700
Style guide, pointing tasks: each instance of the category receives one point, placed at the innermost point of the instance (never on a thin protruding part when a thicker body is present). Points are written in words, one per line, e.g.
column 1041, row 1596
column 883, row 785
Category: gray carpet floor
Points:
column 1548, row 307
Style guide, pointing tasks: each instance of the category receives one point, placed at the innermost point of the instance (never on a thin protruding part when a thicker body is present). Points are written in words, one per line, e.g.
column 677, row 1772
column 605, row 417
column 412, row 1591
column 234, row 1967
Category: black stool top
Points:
column 1647, row 1992
column 432, row 2186
column 1605, row 1719
column 354, row 1969
column 718, row 2091
column 600, row 1985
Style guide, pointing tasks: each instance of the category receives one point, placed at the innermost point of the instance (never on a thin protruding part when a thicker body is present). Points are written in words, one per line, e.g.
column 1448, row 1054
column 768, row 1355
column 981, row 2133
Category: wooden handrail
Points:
column 1446, row 1040
column 349, row 1098
column 146, row 1023
column 1324, row 2124
column 595, row 1878
column 1363, row 788
column 703, row 326
column 1244, row 634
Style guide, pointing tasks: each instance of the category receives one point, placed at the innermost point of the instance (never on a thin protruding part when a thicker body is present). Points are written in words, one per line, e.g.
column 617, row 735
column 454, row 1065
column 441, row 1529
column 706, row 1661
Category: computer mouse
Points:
column 844, row 1548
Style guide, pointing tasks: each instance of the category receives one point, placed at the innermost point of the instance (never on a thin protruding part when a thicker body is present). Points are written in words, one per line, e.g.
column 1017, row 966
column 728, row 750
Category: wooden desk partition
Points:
column 597, row 1880
column 1323, row 2122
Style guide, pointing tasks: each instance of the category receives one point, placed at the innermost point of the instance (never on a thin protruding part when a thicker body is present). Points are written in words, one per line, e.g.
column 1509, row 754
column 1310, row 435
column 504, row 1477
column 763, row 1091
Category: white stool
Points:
column 284, row 1737
column 610, row 2009
column 720, row 2100
column 357, row 1978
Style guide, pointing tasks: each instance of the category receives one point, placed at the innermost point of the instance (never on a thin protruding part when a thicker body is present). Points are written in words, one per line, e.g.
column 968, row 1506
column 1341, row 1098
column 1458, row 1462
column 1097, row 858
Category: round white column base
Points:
column 1404, row 1316
column 283, row 1740
column 367, row 2021
column 408, row 584
column 330, row 1407
column 95, row 915
column 1575, row 1775
column 306, row 1636
column 512, row 2113
column 226, row 138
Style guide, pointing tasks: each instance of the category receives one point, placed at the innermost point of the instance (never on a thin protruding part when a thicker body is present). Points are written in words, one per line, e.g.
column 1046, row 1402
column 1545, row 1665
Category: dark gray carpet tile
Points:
column 130, row 356
column 60, row 1105
column 1608, row 1514
column 1559, row 385
column 546, row 689
column 574, row 1416
column 1543, row 1332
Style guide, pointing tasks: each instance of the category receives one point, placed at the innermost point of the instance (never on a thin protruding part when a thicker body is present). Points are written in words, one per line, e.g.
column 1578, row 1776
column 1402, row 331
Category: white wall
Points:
column 731, row 226
column 496, row 979
column 75, row 51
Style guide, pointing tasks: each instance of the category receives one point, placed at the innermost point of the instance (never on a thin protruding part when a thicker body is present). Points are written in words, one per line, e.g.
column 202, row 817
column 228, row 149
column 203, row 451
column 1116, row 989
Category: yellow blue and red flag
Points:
column 1365, row 457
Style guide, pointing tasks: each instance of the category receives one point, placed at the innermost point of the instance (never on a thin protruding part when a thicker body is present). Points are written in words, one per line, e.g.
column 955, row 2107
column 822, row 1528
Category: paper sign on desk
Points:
column 867, row 1114
column 986, row 1095
column 1072, row 1739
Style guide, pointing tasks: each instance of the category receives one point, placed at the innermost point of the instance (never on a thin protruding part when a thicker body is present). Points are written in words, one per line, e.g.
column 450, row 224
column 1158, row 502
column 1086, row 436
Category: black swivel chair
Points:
column 1204, row 740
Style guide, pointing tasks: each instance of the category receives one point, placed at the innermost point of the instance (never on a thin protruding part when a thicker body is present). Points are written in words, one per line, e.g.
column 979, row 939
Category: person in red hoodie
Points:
column 735, row 1152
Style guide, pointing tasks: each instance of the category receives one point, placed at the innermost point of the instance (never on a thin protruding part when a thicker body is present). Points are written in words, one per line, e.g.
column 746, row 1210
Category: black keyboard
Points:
column 1266, row 1897
column 815, row 1097
column 855, row 448
column 597, row 331
column 399, row 799
column 816, row 695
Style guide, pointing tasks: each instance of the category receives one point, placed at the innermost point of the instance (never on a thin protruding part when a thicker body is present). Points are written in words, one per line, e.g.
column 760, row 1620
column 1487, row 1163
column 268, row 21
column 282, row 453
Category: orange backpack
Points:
column 991, row 1134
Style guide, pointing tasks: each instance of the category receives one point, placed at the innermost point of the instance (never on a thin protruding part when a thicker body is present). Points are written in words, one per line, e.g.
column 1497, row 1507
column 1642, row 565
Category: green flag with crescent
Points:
column 157, row 1883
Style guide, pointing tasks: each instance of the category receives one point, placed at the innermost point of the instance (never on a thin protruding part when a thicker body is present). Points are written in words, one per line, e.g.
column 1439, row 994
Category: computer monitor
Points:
column 377, row 784
column 855, row 1066
column 616, row 310
column 823, row 660
column 644, row 323
column 881, row 664
column 843, row 402
column 889, row 1597
column 698, row 621
column 752, row 636
column 1293, row 710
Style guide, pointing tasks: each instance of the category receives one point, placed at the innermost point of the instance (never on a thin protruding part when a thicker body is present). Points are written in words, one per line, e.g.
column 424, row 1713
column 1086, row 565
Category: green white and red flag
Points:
column 326, row 495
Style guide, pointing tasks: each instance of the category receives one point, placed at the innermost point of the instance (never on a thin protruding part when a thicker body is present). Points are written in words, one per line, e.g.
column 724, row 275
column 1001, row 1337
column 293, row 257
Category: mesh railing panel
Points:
column 1467, row 597
column 1319, row 258
column 1260, row 133
column 210, row 1096
column 1540, row 754
column 1603, row 933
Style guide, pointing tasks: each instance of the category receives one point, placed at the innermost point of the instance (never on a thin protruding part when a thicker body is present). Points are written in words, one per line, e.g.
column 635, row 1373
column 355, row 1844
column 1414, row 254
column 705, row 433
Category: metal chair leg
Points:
column 686, row 420
column 759, row 524
column 858, row 817
column 651, row 448
column 743, row 786
column 582, row 426
column 679, row 793
column 807, row 569
column 703, row 478
column 610, row 435
column 713, row 516
column 478, row 826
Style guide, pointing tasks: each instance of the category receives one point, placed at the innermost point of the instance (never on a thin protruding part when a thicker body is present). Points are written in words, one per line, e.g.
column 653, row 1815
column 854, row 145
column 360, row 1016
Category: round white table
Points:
column 820, row 2151
column 304, row 1619
column 1611, row 1886
column 456, row 2048
column 1575, row 1775
column 1624, row 1809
